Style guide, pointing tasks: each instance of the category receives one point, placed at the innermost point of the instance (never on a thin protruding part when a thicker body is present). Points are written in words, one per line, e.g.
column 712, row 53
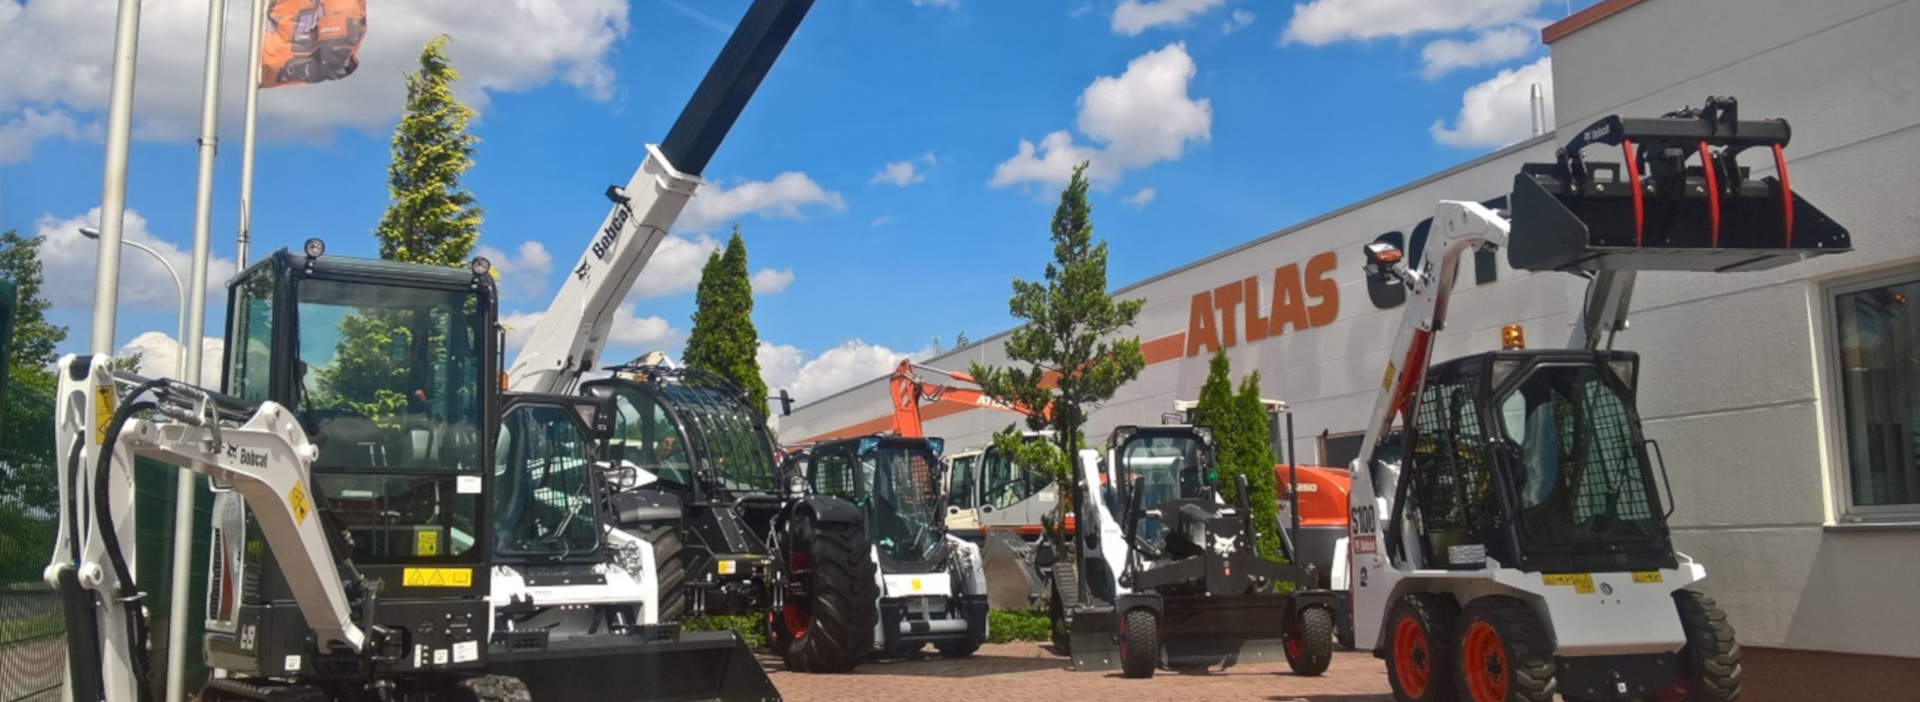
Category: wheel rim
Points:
column 1410, row 656
column 797, row 614
column 1485, row 662
column 1294, row 638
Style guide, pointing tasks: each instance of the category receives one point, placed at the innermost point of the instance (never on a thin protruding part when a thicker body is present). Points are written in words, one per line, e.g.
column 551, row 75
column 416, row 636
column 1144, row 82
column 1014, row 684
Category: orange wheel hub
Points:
column 1484, row 661
column 1410, row 658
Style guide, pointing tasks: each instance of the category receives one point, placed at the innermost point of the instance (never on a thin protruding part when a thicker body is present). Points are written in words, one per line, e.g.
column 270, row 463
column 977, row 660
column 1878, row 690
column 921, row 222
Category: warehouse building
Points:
column 1786, row 402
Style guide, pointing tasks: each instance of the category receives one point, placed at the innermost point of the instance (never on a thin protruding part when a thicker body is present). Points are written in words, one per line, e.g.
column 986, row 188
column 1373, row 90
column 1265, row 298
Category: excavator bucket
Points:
column 712, row 666
column 1678, row 199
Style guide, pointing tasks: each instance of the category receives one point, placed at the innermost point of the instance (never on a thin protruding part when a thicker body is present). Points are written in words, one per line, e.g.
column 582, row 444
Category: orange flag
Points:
column 310, row 41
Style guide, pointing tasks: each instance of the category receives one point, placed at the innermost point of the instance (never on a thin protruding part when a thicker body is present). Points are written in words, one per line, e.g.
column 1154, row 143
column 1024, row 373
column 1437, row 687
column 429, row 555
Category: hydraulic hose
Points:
column 116, row 555
column 73, row 497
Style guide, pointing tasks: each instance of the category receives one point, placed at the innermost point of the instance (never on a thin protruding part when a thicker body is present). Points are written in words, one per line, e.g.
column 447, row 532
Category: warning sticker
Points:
column 1387, row 382
column 297, row 499
column 102, row 412
column 426, row 543
column 438, row 577
column 1646, row 576
column 1365, row 544
column 1581, row 582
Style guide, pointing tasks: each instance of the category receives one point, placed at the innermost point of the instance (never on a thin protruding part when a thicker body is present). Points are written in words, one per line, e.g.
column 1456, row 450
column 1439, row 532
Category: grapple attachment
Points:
column 1680, row 200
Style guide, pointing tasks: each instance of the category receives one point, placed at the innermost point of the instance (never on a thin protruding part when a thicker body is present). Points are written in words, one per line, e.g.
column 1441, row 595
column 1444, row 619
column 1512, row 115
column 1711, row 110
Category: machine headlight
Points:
column 796, row 485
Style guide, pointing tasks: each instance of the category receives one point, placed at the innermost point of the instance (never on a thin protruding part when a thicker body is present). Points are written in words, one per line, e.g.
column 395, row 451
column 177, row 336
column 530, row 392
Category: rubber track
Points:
column 846, row 599
column 1437, row 613
column 1142, row 652
column 1530, row 662
column 1710, row 641
column 1316, row 630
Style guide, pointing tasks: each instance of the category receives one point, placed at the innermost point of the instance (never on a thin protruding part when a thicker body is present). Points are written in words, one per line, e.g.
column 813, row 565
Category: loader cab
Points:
column 1535, row 459
column 1158, row 466
column 695, row 431
column 896, row 483
column 389, row 368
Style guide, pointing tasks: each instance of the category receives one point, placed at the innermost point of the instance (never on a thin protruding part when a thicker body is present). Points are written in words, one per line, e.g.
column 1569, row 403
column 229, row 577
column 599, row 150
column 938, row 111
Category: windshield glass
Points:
column 902, row 500
column 645, row 435
column 682, row 422
column 1168, row 468
column 960, row 482
column 543, row 485
column 1004, row 484
column 388, row 384
column 1586, row 482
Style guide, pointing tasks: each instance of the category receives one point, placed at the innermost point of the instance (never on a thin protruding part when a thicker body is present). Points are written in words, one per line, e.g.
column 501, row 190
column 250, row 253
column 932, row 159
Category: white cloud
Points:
column 159, row 354
column 1236, row 21
column 836, row 369
column 58, row 58
column 881, row 221
column 17, row 135
column 523, row 275
column 630, row 332
column 675, row 266
column 1326, row 21
column 68, row 259
column 1498, row 111
column 784, row 196
column 1489, row 48
column 1135, row 16
column 772, row 281
column 1141, row 117
column 901, row 173
column 1140, row 199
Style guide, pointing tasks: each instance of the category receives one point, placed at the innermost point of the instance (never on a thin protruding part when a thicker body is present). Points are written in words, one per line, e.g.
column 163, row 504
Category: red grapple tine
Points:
column 1786, row 192
column 1633, row 180
column 1713, row 194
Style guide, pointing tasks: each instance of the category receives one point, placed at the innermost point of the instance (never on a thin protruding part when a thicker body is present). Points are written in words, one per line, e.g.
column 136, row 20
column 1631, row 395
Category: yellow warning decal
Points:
column 726, row 567
column 297, row 499
column 426, row 543
column 916, row 584
column 102, row 412
column 1387, row 382
column 1646, row 576
column 438, row 577
column 1581, row 582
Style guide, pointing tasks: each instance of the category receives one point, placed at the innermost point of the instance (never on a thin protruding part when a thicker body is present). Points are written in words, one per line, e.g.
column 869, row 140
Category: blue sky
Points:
column 896, row 169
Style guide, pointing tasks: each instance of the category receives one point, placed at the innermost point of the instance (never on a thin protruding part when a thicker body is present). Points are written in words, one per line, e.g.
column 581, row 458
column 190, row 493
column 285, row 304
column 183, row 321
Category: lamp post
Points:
column 180, row 358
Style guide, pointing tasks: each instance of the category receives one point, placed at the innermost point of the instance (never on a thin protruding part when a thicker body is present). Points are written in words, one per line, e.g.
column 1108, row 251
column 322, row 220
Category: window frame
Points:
column 1839, row 452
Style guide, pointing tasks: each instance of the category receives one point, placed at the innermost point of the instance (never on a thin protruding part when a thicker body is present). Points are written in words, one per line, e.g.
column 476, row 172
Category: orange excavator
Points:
column 984, row 489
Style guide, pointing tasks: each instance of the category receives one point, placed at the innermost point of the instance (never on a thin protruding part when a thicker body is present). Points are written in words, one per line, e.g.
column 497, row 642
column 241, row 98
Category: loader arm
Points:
column 568, row 339
column 260, row 452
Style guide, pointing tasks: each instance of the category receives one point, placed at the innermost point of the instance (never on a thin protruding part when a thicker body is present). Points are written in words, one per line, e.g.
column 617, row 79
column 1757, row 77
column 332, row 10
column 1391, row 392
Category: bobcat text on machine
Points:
column 933, row 585
column 1514, row 545
column 1159, row 572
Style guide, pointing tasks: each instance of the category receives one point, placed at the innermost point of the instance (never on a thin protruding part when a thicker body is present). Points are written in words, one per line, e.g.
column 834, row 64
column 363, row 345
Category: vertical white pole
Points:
column 113, row 185
column 195, row 312
column 257, row 22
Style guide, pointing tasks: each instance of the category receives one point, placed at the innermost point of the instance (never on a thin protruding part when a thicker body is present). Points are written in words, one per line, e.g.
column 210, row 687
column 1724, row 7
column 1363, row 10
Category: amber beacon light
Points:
column 1512, row 337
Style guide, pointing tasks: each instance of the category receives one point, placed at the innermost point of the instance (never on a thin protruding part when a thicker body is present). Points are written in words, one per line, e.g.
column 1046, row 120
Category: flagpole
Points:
column 186, row 485
column 258, row 23
column 113, row 181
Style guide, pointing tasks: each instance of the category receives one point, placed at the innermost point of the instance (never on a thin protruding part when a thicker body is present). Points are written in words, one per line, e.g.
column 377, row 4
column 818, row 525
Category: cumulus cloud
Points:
column 630, row 332
column 523, row 274
column 1132, row 17
column 772, row 281
column 1498, row 111
column 675, row 266
column 1140, row 117
column 18, row 134
column 160, row 356
column 784, row 196
column 1140, row 199
column 1323, row 22
column 58, row 58
column 68, row 260
column 1490, row 48
column 1236, row 21
column 836, row 369
column 903, row 173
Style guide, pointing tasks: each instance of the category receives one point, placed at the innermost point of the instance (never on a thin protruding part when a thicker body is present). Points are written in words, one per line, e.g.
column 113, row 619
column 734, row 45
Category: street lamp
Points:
column 180, row 356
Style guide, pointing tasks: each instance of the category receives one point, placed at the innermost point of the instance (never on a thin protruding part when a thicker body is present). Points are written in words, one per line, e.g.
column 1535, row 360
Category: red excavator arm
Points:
column 909, row 391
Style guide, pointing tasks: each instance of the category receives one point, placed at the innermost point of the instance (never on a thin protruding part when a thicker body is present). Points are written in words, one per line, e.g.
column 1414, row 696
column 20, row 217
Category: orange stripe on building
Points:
column 1171, row 347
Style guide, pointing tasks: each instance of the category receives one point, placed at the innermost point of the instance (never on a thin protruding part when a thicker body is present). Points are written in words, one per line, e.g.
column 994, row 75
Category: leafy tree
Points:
column 1239, row 423
column 1072, row 360
column 28, row 487
column 723, row 340
column 430, row 219
column 31, row 359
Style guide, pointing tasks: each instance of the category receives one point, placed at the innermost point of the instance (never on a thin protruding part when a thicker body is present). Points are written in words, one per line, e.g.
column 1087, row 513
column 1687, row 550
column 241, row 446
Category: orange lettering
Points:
column 1200, row 334
column 1320, row 286
column 1225, row 299
column 1256, row 324
column 1289, row 303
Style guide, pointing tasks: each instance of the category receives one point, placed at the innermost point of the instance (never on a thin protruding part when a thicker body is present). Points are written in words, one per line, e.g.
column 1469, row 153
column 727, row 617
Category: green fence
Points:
column 32, row 633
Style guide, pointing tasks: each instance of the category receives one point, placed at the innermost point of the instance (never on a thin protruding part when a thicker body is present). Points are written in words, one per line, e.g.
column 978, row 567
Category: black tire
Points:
column 833, row 628
column 1309, row 641
column 492, row 688
column 670, row 568
column 1419, row 648
column 1504, row 653
column 958, row 648
column 1139, row 643
column 1710, row 662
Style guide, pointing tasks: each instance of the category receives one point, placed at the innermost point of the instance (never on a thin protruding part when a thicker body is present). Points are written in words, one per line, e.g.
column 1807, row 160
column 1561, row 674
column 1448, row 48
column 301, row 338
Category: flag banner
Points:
column 310, row 41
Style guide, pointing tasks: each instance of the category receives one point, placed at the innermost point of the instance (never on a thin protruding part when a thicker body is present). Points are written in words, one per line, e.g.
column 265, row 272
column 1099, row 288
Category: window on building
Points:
column 1877, row 359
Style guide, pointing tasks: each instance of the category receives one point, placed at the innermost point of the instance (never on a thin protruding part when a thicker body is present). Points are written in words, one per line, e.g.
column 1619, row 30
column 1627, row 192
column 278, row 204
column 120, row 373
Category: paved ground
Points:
column 1021, row 672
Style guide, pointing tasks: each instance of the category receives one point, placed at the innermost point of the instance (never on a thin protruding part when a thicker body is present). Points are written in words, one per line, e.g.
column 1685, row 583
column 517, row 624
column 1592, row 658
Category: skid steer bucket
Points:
column 1677, row 200
column 713, row 666
column 1221, row 631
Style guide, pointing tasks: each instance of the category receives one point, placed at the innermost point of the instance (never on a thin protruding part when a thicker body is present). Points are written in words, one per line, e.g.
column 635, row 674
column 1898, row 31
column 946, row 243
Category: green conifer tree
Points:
column 723, row 340
column 430, row 218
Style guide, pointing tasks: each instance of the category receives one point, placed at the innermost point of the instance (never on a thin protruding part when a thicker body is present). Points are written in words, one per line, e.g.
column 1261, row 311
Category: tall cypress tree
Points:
column 724, row 340
column 1239, row 423
column 430, row 218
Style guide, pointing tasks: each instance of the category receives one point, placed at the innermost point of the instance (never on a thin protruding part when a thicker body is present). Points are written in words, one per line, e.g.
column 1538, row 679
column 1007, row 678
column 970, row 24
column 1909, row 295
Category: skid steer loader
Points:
column 356, row 450
column 1514, row 544
column 1161, row 573
column 933, row 583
